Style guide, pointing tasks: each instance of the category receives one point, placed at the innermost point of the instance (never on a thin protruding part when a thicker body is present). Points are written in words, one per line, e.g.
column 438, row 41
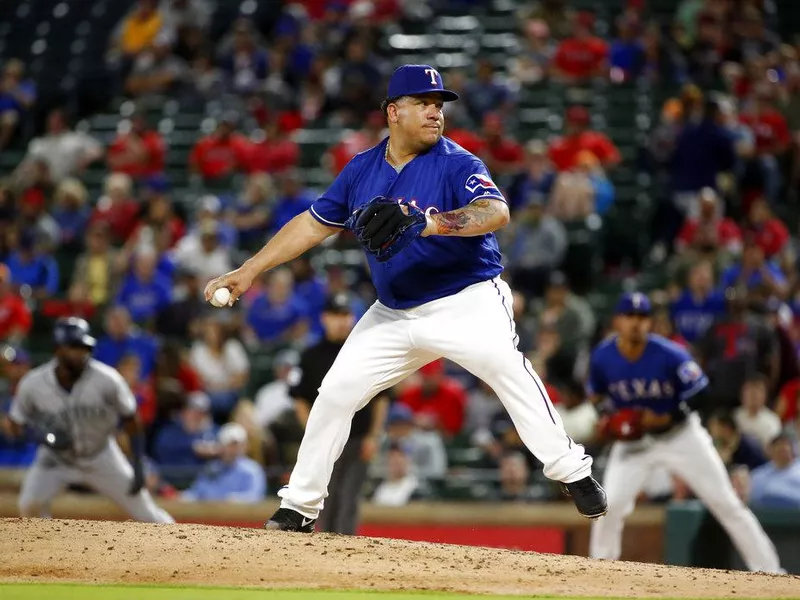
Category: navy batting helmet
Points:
column 73, row 331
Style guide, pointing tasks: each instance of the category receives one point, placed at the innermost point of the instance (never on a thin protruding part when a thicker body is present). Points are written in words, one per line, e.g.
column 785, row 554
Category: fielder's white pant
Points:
column 688, row 453
column 109, row 473
column 474, row 328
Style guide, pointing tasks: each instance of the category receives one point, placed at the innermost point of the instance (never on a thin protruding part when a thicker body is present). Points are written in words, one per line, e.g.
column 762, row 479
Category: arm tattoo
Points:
column 473, row 216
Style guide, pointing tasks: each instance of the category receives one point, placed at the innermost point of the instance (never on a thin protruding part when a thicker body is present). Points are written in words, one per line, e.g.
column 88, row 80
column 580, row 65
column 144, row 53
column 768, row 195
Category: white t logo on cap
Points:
column 433, row 74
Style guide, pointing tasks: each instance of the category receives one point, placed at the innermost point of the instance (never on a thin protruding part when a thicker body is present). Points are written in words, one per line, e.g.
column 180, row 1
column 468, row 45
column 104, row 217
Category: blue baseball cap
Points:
column 400, row 413
column 412, row 80
column 634, row 303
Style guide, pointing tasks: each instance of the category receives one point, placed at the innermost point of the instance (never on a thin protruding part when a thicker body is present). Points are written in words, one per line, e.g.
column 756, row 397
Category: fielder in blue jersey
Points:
column 648, row 389
column 425, row 210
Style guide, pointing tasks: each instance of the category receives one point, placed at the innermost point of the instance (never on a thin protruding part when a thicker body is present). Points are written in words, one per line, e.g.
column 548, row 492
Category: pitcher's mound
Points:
column 116, row 552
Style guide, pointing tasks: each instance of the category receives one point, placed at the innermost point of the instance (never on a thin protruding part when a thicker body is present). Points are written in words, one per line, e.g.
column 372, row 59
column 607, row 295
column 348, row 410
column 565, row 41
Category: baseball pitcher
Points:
column 649, row 389
column 73, row 404
column 425, row 210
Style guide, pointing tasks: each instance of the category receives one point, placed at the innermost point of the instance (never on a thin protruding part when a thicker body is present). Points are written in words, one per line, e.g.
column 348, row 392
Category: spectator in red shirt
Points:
column 275, row 152
column 15, row 317
column 159, row 224
column 768, row 231
column 139, row 152
column 583, row 55
column 357, row 141
column 173, row 380
column 501, row 154
column 710, row 229
column 117, row 208
column 772, row 140
column 465, row 138
column 577, row 136
column 436, row 398
column 788, row 401
column 130, row 367
column 221, row 153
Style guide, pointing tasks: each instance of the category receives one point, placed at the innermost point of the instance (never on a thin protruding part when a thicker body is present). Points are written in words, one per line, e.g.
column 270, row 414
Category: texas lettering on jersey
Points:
column 660, row 379
column 641, row 389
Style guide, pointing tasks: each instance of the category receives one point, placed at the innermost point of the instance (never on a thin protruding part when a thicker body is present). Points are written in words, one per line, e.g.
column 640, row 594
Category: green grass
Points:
column 75, row 591
column 33, row 591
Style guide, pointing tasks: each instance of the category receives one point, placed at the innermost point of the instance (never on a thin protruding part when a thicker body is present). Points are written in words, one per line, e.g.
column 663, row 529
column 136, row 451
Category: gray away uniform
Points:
column 90, row 413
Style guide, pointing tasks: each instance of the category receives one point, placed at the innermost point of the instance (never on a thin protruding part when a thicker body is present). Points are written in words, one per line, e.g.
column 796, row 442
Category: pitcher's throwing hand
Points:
column 237, row 281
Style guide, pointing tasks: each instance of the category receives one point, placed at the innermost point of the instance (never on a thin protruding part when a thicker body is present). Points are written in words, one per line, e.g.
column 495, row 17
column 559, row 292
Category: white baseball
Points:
column 221, row 297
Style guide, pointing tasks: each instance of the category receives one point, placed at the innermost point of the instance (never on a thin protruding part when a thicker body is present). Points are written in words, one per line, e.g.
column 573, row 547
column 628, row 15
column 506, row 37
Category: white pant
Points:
column 688, row 453
column 473, row 328
column 109, row 473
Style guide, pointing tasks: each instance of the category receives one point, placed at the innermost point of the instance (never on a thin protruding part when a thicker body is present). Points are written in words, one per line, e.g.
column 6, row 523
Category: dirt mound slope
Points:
column 127, row 552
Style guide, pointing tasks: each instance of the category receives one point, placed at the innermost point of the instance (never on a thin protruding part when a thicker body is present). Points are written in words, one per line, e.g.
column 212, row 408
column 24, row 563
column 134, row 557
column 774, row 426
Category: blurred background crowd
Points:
column 147, row 146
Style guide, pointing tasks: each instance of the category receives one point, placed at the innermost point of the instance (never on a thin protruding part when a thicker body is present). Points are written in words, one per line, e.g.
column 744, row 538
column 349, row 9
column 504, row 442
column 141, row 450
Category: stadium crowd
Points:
column 723, row 159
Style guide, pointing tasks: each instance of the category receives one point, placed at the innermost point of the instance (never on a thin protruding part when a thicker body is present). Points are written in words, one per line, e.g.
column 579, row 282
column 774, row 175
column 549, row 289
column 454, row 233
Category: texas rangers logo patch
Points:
column 479, row 181
column 689, row 372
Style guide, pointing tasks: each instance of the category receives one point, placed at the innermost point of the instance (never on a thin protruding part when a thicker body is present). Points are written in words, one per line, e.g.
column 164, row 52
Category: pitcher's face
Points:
column 419, row 119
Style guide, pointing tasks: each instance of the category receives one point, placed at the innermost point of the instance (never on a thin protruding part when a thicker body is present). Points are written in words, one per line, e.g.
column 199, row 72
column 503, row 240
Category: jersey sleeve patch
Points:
column 689, row 372
column 479, row 181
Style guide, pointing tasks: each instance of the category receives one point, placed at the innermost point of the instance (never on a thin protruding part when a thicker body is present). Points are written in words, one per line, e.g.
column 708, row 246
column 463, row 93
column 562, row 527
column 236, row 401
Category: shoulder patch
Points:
column 478, row 180
column 689, row 372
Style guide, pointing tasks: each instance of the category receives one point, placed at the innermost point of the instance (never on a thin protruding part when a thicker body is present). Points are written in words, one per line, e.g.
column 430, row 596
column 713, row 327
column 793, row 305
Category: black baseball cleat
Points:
column 589, row 497
column 286, row 519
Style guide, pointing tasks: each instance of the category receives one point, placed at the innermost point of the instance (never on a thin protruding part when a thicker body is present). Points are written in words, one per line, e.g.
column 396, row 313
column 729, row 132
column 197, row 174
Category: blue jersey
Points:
column 664, row 375
column 693, row 318
column 445, row 178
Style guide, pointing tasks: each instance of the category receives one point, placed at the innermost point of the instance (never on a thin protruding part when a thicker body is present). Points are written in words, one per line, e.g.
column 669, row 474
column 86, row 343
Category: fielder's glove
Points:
column 625, row 424
column 385, row 227
column 54, row 438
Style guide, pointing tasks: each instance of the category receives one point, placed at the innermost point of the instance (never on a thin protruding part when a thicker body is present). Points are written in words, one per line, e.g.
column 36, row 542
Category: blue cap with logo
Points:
column 634, row 303
column 411, row 80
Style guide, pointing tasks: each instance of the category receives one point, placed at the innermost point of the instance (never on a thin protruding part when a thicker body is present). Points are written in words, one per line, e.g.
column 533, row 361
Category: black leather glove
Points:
column 384, row 228
column 54, row 438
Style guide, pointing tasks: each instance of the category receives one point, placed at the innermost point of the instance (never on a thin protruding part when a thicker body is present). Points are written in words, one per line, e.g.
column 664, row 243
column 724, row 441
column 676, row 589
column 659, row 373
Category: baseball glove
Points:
column 385, row 226
column 625, row 424
column 56, row 438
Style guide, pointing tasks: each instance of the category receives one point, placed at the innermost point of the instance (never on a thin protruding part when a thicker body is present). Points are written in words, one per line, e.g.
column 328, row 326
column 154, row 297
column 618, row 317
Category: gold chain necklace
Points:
column 388, row 155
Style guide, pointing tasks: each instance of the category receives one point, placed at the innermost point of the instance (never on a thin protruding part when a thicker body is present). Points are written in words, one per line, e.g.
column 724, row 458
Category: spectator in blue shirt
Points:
column 777, row 484
column 17, row 96
column 534, row 183
column 15, row 452
column 210, row 209
column 246, row 64
column 313, row 290
column 734, row 447
column 277, row 313
column 251, row 213
column 754, row 271
column 233, row 477
column 486, row 93
column 122, row 337
column 32, row 267
column 145, row 292
column 359, row 80
column 71, row 212
column 696, row 309
column 292, row 201
column 183, row 445
column 626, row 55
column 703, row 150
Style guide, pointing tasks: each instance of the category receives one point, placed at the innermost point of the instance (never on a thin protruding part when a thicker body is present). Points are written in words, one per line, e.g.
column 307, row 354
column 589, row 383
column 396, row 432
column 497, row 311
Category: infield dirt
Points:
column 132, row 553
